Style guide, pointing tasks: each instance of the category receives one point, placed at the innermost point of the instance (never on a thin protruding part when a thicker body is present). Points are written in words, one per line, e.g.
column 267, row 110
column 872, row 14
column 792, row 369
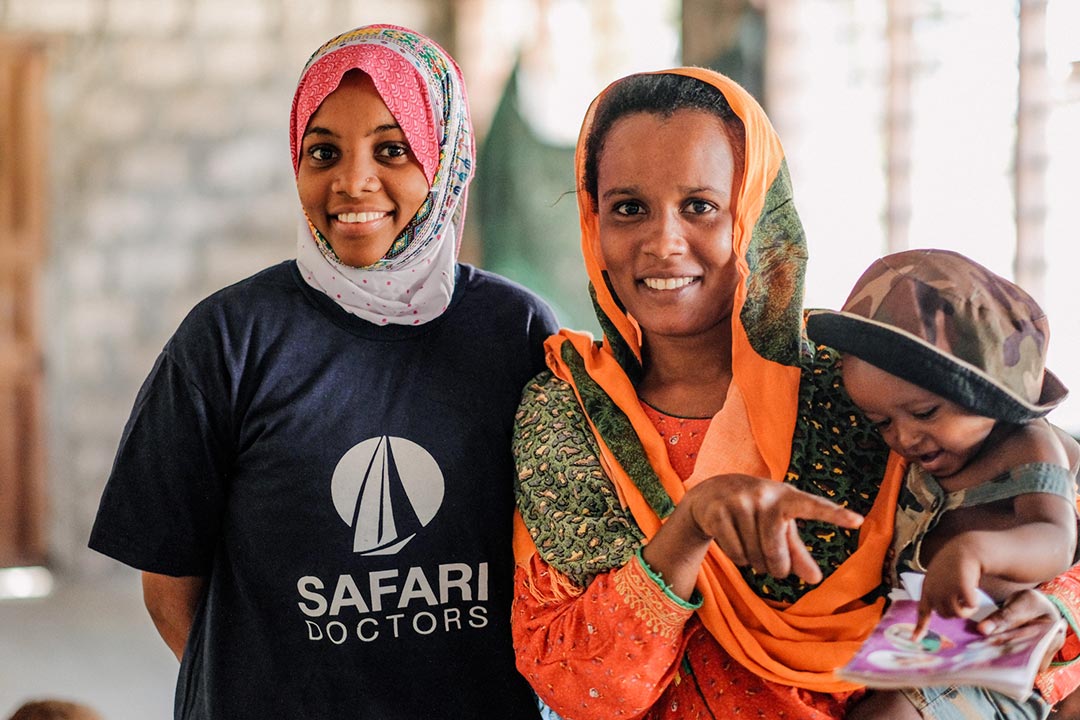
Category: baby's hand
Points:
column 951, row 585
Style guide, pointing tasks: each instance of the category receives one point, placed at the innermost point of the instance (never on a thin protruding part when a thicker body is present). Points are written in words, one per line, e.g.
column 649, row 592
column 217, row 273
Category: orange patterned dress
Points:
column 699, row 681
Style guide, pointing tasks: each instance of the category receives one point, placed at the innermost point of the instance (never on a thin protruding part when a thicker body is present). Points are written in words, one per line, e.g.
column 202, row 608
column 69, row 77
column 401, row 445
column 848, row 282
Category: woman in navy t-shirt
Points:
column 316, row 478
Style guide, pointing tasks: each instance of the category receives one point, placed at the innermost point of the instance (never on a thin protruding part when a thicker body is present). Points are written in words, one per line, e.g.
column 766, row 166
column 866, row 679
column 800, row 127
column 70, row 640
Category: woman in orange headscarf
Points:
column 703, row 514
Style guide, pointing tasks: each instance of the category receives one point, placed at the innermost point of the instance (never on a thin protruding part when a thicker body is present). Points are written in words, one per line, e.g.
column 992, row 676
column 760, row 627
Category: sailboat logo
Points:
column 386, row 489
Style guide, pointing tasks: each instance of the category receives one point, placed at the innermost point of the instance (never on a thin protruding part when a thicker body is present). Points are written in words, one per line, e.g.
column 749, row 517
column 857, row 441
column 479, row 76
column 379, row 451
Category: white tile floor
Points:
column 90, row 641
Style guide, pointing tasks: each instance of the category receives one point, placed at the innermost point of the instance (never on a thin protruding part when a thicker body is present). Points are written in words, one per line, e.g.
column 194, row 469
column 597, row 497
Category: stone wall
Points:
column 170, row 178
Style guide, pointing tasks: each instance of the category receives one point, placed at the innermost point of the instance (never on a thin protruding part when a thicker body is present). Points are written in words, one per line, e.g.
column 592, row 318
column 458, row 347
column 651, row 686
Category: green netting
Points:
column 524, row 194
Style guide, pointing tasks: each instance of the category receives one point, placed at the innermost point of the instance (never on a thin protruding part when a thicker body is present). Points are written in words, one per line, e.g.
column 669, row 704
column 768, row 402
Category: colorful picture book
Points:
column 952, row 652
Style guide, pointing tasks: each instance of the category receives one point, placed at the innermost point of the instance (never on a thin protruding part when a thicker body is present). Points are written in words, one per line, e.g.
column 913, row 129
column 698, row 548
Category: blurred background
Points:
column 144, row 163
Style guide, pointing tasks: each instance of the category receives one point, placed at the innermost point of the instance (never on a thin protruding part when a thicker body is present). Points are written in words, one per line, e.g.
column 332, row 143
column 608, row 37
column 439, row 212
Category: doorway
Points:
column 22, row 251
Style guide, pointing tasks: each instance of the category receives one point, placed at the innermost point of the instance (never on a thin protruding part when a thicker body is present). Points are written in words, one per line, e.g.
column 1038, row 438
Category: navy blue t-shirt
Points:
column 347, row 489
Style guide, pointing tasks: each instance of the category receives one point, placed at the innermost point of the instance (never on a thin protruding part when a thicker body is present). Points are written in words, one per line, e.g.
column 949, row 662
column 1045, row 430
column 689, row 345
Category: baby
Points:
column 947, row 360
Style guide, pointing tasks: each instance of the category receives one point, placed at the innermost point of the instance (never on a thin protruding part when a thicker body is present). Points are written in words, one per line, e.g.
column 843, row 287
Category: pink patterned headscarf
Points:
column 424, row 90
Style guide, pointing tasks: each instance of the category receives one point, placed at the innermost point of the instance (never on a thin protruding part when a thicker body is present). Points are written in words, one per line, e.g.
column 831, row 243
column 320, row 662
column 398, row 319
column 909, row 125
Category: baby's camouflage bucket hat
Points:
column 947, row 324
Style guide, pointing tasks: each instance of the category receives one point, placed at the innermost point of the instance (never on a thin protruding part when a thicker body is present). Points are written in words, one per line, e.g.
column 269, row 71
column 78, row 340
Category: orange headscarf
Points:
column 802, row 643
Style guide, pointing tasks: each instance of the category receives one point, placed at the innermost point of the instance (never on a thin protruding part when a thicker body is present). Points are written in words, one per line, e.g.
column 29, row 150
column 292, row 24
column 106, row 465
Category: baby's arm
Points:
column 1035, row 545
column 1038, row 547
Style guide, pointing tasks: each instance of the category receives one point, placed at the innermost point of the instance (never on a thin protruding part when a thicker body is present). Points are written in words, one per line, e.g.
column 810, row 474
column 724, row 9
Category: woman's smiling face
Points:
column 358, row 181
column 665, row 197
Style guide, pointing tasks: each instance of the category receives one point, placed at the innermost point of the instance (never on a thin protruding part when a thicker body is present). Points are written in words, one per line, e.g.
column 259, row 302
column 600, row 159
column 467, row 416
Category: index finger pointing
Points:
column 811, row 507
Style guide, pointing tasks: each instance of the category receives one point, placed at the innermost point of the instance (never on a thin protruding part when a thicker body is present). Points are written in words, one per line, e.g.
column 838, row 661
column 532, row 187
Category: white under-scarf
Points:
column 411, row 294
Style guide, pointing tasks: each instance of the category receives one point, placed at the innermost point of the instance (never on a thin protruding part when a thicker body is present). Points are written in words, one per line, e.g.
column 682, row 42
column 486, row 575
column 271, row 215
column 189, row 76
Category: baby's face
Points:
column 925, row 428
